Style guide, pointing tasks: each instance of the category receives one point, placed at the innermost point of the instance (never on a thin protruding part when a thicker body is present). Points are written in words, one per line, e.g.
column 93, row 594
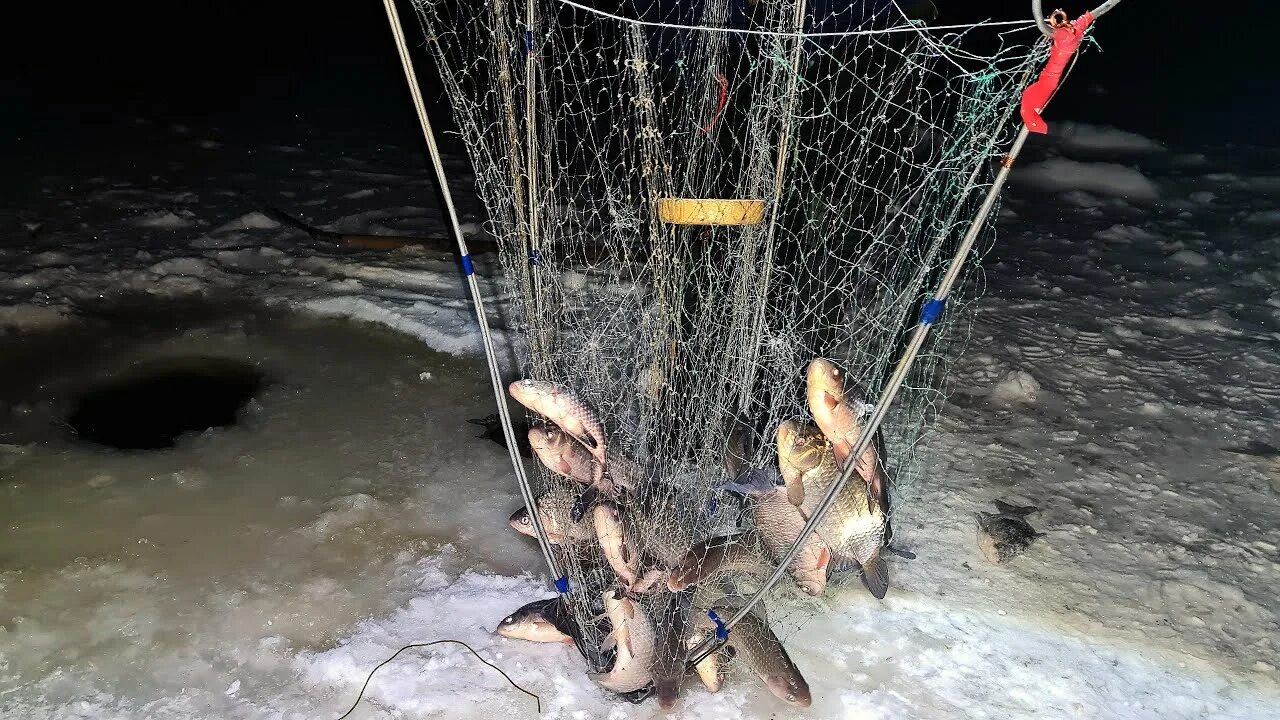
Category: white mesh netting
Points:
column 687, row 328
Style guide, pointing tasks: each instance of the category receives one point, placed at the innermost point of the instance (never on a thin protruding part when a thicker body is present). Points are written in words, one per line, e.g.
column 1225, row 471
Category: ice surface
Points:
column 1102, row 139
column 1103, row 178
column 262, row 570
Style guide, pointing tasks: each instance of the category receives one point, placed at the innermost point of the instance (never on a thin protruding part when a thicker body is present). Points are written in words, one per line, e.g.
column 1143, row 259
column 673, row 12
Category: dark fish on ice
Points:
column 1004, row 535
column 540, row 621
column 493, row 432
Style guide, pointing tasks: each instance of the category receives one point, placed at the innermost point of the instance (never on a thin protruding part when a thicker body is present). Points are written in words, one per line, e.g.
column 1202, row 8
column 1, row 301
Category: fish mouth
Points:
column 782, row 687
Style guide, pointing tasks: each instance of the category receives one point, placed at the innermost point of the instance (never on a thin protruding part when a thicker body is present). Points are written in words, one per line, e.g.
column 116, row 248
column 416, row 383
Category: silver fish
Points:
column 558, row 404
column 755, row 644
column 778, row 524
column 554, row 509
column 616, row 542
column 561, row 454
column 538, row 621
column 836, row 411
column 710, row 669
column 854, row 527
column 1004, row 535
column 633, row 635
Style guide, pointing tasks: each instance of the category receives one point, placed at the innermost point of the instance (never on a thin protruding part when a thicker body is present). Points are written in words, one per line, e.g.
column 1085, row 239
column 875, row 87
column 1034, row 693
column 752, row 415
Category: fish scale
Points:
column 778, row 523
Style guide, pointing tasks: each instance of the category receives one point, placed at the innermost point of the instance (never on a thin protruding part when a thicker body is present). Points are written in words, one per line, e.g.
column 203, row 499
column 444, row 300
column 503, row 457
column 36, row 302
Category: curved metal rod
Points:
column 1104, row 8
column 1037, row 11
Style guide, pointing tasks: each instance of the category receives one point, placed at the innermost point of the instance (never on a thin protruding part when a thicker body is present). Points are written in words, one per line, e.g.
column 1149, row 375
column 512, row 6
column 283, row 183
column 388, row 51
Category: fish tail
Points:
column 875, row 575
column 1010, row 509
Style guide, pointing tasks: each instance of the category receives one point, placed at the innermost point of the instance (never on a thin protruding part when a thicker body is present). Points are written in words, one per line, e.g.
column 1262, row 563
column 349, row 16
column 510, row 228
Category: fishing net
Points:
column 854, row 143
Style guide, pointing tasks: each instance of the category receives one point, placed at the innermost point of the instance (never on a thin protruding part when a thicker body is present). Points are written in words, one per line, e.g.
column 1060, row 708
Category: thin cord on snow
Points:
column 364, row 687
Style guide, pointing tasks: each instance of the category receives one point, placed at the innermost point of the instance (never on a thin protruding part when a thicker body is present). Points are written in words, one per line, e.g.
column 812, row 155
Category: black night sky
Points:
column 294, row 70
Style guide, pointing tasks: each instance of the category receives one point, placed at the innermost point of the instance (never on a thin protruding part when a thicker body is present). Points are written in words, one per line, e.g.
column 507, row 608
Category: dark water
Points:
column 153, row 406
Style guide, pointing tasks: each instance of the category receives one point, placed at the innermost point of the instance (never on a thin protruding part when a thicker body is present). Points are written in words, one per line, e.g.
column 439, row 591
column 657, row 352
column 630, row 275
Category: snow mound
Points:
column 194, row 267
column 251, row 221
column 1104, row 138
column 1264, row 217
column 164, row 219
column 1017, row 387
column 1108, row 179
column 1121, row 233
column 1190, row 258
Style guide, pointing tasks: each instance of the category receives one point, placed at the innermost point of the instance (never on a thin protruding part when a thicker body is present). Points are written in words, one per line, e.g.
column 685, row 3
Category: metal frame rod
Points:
column 495, row 376
column 1037, row 11
column 882, row 406
column 927, row 319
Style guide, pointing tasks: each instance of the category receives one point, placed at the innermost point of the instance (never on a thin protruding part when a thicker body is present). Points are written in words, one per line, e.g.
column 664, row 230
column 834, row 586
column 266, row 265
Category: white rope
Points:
column 477, row 300
column 1020, row 24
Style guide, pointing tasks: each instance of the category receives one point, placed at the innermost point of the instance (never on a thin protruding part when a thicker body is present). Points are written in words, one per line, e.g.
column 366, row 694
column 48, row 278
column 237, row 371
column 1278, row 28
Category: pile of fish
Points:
column 670, row 573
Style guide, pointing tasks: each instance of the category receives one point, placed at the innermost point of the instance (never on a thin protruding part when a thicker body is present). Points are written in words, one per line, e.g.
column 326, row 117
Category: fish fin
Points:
column 843, row 564
column 824, row 558
column 609, row 643
column 755, row 481
column 624, row 639
column 648, row 579
column 875, row 575
column 1018, row 510
column 584, row 503
column 795, row 489
column 899, row 552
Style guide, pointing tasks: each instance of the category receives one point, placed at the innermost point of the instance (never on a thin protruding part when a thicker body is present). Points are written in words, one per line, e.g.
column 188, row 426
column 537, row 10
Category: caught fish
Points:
column 755, row 644
column 616, row 542
column 558, row 404
column 493, row 432
column 854, row 526
column 836, row 410
column 778, row 524
column 672, row 629
column 711, row 668
column 731, row 553
column 1004, row 535
column 633, row 637
column 539, row 621
column 561, row 454
column 554, row 508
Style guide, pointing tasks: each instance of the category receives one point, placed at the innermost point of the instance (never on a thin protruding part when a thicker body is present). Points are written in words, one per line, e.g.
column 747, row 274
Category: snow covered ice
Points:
column 1126, row 340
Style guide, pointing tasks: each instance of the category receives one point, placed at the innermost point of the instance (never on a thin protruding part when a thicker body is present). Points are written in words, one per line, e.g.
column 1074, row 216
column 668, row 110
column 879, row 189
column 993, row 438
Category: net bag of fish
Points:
column 717, row 222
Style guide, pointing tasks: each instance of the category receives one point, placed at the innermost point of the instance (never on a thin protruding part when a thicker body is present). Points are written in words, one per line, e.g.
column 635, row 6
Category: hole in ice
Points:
column 152, row 405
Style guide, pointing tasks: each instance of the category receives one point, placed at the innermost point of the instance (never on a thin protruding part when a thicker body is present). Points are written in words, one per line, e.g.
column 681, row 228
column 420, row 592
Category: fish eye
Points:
column 508, row 620
column 524, row 520
column 791, row 697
